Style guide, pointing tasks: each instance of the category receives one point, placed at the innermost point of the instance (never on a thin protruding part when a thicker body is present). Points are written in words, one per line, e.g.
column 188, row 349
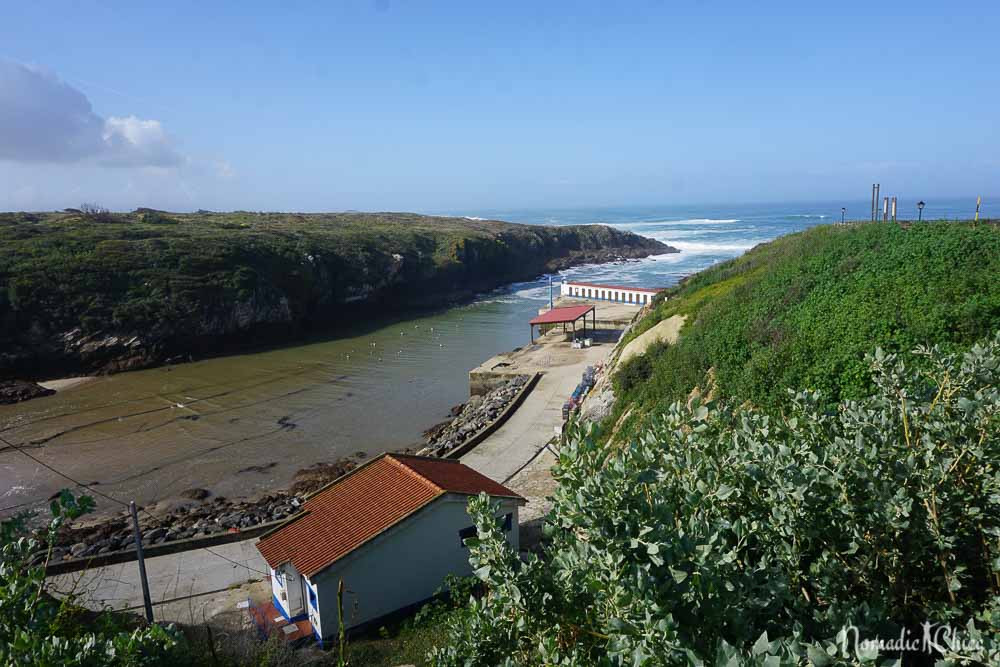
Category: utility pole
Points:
column 843, row 212
column 142, row 563
column 885, row 210
column 979, row 201
column 873, row 202
column 894, row 209
column 878, row 191
column 550, row 293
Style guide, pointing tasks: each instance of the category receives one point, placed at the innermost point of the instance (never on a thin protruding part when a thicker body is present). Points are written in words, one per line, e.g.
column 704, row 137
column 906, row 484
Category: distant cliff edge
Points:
column 83, row 292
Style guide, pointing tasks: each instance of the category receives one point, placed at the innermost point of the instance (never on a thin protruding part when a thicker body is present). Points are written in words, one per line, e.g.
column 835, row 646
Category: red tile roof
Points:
column 367, row 501
column 557, row 315
column 651, row 290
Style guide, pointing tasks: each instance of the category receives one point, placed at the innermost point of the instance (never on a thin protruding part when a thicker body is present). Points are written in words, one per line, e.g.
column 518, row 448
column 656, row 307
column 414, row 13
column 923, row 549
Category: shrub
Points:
column 730, row 536
column 637, row 370
column 37, row 629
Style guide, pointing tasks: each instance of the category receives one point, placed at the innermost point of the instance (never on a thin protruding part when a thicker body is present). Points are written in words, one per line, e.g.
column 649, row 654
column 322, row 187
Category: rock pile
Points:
column 196, row 520
column 193, row 514
column 474, row 417
column 15, row 391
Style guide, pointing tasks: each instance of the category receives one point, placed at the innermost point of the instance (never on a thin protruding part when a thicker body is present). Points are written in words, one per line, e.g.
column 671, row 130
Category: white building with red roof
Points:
column 391, row 530
column 638, row 296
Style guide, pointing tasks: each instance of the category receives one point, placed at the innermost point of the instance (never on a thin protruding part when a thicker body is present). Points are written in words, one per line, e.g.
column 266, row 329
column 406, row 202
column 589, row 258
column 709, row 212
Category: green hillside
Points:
column 803, row 310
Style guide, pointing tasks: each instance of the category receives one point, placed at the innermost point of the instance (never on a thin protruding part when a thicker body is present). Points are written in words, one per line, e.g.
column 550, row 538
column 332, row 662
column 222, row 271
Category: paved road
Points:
column 534, row 423
column 171, row 577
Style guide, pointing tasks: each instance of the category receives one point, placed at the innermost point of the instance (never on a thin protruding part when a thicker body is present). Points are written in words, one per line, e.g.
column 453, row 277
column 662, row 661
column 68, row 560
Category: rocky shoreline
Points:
column 194, row 513
column 16, row 391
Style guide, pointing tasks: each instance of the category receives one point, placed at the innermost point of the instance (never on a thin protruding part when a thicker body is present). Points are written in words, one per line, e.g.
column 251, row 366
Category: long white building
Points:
column 639, row 296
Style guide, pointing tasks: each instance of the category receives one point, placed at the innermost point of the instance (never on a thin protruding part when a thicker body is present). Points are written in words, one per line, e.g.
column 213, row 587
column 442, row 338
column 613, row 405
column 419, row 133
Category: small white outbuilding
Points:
column 390, row 530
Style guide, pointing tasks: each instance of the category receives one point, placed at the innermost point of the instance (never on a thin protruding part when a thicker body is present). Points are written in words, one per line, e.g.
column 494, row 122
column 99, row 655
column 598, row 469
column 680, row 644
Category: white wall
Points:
column 404, row 566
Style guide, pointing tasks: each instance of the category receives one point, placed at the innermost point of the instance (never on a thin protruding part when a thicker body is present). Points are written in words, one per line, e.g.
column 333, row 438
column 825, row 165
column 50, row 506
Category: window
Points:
column 465, row 534
column 505, row 522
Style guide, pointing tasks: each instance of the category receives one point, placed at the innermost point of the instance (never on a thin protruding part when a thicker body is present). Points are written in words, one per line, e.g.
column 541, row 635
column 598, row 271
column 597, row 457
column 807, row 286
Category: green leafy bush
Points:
column 637, row 370
column 37, row 629
column 730, row 536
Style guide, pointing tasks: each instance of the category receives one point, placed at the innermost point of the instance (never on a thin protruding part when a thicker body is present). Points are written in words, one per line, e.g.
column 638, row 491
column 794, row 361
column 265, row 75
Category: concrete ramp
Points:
column 534, row 424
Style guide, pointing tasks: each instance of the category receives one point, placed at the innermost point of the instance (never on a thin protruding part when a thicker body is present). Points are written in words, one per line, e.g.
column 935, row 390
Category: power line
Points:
column 17, row 448
column 115, row 500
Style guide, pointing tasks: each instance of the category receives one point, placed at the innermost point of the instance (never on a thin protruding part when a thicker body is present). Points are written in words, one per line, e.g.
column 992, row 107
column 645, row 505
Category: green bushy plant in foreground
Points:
column 803, row 310
column 39, row 630
column 728, row 536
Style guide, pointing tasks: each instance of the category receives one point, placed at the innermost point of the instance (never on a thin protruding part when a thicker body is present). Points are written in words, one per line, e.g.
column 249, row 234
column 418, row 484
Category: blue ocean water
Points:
column 706, row 235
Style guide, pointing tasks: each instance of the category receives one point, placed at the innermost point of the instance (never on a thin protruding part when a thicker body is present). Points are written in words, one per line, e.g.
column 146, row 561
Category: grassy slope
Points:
column 803, row 310
column 165, row 277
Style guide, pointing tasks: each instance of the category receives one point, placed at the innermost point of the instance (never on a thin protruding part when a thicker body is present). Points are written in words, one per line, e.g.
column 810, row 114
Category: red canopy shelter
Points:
column 564, row 316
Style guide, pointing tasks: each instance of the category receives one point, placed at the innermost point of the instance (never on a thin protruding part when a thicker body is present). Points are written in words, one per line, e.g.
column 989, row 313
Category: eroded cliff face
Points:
column 147, row 297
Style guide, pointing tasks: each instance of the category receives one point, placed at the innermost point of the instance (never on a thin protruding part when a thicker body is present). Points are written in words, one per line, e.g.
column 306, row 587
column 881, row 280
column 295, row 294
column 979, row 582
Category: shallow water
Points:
column 152, row 433
column 242, row 424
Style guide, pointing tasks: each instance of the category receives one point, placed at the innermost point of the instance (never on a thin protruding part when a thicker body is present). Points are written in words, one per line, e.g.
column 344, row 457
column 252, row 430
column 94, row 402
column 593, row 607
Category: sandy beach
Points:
column 66, row 383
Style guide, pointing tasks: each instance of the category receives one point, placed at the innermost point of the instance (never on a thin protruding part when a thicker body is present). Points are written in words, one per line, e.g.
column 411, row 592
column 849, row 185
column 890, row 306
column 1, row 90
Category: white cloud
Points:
column 131, row 141
column 44, row 119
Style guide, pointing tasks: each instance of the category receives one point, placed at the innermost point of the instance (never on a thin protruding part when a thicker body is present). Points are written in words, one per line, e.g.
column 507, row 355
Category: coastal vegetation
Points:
column 803, row 311
column 807, row 475
column 727, row 535
column 89, row 290
column 39, row 629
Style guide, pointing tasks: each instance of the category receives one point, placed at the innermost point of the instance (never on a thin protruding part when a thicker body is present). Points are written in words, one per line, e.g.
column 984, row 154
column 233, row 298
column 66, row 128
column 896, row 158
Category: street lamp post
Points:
column 920, row 210
column 843, row 212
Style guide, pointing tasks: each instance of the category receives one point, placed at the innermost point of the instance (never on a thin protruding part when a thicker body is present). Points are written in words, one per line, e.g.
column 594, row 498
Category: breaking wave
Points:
column 695, row 247
column 678, row 223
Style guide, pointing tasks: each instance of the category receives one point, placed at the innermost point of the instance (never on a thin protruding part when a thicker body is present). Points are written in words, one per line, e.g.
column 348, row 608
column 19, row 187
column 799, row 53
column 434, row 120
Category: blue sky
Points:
column 450, row 106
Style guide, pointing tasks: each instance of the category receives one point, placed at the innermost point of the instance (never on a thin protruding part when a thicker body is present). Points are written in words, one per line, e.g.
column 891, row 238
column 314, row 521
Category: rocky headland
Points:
column 151, row 287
